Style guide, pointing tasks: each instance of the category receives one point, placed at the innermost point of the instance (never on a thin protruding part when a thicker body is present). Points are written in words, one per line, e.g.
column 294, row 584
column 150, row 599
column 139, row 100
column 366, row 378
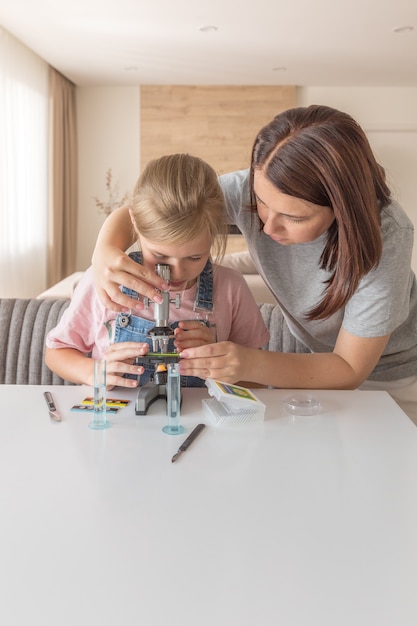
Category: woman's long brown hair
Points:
column 322, row 155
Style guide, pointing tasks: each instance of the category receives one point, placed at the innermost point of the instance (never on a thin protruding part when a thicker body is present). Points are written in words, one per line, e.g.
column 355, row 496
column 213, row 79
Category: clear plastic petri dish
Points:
column 300, row 403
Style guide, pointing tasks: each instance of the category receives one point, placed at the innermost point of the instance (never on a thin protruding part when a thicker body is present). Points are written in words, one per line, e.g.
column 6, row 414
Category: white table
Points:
column 295, row 522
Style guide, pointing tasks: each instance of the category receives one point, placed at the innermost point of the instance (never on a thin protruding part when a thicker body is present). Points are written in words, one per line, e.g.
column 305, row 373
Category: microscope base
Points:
column 148, row 394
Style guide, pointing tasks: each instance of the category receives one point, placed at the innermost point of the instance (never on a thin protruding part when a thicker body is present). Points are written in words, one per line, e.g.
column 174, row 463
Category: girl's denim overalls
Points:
column 133, row 328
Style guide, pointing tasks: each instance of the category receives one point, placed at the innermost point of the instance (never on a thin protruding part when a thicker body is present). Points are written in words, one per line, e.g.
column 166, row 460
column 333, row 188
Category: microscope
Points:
column 160, row 335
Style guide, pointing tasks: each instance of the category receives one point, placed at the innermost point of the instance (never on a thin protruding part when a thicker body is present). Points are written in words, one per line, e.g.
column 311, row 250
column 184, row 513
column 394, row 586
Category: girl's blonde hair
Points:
column 176, row 199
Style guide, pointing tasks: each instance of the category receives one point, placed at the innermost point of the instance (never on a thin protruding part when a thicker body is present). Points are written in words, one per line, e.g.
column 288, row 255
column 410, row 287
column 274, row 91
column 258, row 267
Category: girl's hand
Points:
column 224, row 361
column 120, row 360
column 113, row 269
column 192, row 333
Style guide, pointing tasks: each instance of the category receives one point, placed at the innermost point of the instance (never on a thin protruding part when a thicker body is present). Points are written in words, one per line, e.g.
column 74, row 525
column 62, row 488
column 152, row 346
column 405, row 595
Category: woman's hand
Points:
column 120, row 360
column 224, row 361
column 113, row 269
column 192, row 333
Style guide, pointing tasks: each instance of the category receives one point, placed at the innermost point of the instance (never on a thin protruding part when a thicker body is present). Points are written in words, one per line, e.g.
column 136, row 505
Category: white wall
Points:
column 109, row 136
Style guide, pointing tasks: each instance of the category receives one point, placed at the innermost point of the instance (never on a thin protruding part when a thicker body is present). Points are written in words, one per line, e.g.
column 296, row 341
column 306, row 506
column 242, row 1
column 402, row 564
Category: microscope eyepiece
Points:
column 164, row 271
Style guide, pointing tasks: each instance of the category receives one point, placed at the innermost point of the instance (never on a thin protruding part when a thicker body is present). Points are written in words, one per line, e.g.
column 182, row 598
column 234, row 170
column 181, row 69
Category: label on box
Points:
column 232, row 403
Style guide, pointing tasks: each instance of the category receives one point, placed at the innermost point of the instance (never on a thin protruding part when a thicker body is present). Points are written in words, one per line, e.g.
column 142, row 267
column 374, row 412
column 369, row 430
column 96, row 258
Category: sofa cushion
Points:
column 63, row 289
column 281, row 339
column 240, row 261
column 25, row 324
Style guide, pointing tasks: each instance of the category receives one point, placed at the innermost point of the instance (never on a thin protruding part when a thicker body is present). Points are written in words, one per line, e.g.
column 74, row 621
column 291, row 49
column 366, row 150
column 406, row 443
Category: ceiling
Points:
column 259, row 42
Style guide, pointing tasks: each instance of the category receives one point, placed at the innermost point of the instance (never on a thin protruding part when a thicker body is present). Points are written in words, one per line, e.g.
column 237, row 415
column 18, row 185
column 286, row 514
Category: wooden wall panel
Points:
column 216, row 123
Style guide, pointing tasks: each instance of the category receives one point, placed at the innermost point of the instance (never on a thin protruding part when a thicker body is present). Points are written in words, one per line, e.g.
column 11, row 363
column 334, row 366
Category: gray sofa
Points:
column 25, row 323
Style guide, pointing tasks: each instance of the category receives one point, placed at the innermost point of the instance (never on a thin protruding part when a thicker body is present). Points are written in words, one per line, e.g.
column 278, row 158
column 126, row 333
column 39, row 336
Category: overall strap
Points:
column 136, row 256
column 204, row 294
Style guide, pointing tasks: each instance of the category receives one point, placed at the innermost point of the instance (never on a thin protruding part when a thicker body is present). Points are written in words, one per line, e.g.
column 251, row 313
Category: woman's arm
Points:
column 112, row 266
column 347, row 367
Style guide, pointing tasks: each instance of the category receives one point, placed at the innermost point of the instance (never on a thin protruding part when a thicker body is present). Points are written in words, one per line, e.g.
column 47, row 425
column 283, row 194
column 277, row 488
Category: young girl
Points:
column 333, row 247
column 177, row 213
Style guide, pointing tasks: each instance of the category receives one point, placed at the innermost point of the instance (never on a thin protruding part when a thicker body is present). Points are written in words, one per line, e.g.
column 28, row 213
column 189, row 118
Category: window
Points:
column 23, row 169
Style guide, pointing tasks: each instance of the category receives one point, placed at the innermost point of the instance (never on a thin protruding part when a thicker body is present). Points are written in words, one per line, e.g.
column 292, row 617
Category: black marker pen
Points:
column 193, row 435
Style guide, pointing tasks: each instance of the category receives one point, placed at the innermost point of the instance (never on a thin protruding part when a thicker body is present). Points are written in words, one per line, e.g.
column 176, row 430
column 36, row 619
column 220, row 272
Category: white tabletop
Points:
column 294, row 522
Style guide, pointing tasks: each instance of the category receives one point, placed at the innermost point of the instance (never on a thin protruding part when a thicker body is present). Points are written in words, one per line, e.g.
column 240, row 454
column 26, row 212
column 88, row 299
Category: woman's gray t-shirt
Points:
column 385, row 301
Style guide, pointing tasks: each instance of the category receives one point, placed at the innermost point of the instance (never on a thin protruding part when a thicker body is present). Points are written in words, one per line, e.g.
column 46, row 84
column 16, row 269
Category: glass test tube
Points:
column 173, row 401
column 100, row 397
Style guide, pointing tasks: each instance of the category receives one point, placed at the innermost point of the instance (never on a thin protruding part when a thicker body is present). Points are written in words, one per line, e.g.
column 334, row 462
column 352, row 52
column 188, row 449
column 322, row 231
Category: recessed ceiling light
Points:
column 131, row 68
column 403, row 29
column 279, row 68
column 208, row 29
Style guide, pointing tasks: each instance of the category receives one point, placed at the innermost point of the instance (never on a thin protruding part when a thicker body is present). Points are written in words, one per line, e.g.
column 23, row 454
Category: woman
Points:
column 334, row 249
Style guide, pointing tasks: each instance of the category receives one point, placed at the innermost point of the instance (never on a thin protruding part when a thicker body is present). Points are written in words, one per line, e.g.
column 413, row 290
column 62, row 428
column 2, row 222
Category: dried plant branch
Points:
column 113, row 201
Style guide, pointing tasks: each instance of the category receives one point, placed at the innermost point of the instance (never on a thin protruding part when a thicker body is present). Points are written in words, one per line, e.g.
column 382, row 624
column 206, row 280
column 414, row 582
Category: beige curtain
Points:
column 63, row 188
